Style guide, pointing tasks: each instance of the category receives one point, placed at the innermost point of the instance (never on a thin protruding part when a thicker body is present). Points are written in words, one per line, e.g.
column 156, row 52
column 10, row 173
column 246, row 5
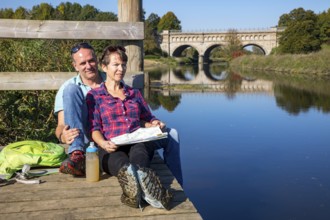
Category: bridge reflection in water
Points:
column 212, row 78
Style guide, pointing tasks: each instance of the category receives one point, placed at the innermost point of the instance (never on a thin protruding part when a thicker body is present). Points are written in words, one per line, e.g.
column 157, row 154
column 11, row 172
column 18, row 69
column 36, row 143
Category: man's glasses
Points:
column 77, row 47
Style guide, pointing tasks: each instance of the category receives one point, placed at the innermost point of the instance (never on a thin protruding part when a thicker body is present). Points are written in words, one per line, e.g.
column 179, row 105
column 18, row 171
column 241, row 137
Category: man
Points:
column 71, row 111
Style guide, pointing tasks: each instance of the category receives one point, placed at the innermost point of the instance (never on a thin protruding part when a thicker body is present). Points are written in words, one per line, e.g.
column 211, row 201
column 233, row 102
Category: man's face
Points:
column 85, row 63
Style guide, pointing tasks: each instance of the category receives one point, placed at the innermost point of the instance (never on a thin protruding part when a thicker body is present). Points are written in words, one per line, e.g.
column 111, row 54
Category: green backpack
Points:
column 35, row 153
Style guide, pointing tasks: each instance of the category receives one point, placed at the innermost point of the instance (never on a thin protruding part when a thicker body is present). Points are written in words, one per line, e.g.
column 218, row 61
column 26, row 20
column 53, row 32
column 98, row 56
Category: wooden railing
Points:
column 37, row 29
column 129, row 29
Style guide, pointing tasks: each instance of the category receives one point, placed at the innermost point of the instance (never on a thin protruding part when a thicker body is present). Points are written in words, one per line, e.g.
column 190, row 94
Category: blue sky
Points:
column 203, row 14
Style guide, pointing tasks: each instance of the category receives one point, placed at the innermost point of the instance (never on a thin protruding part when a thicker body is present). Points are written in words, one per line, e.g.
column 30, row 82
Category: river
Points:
column 252, row 148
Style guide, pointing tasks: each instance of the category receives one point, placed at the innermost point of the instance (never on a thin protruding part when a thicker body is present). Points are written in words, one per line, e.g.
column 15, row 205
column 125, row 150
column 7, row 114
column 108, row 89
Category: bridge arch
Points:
column 172, row 42
column 207, row 52
column 178, row 51
column 255, row 45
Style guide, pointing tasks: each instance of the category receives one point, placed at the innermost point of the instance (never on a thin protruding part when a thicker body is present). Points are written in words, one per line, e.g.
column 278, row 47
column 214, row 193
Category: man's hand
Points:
column 68, row 135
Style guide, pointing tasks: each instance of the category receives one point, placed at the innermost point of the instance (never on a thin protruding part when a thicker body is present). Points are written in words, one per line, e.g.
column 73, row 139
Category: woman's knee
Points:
column 174, row 134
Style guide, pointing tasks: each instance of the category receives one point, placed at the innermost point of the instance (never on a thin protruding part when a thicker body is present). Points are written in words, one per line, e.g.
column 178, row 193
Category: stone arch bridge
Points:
column 174, row 42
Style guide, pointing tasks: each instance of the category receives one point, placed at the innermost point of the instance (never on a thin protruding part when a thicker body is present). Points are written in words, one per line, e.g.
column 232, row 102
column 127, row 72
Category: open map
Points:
column 140, row 135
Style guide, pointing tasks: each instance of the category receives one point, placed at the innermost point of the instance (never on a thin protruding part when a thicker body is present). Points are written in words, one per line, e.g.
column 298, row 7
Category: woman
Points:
column 114, row 109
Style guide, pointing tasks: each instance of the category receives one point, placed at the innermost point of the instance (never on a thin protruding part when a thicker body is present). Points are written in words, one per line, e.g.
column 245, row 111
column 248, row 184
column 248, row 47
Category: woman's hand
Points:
column 158, row 123
column 109, row 146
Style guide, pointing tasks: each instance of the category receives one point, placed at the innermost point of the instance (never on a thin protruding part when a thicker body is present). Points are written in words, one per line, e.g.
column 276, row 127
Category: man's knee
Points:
column 71, row 90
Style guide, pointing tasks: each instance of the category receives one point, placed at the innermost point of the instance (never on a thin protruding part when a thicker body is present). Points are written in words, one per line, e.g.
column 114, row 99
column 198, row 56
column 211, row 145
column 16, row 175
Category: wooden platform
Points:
column 62, row 196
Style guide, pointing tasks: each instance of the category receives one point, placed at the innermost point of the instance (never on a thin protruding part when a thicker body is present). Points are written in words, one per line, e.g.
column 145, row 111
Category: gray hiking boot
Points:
column 153, row 191
column 129, row 183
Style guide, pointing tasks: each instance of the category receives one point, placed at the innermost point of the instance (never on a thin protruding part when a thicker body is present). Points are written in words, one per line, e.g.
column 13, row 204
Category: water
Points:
column 251, row 148
column 254, row 155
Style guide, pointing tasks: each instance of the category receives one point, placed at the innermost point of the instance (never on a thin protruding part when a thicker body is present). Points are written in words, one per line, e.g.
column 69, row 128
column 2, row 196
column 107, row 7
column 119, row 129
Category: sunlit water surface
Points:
column 245, row 157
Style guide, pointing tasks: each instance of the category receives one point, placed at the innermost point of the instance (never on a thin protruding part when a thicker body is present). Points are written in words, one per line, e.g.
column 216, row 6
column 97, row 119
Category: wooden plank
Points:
column 33, row 80
column 62, row 196
column 49, row 29
column 51, row 80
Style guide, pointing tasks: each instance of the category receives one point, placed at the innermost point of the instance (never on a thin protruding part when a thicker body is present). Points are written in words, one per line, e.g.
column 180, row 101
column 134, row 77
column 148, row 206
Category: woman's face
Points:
column 116, row 69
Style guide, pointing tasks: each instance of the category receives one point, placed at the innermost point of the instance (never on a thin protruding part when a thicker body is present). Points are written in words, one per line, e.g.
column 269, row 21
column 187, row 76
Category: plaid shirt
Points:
column 113, row 116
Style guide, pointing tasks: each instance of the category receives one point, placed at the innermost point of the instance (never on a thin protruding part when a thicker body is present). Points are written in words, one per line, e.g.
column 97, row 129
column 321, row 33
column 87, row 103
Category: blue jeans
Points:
column 171, row 153
column 75, row 115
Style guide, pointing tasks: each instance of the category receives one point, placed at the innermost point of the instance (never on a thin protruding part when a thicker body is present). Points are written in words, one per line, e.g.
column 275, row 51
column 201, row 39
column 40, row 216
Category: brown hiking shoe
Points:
column 153, row 192
column 131, row 190
column 75, row 164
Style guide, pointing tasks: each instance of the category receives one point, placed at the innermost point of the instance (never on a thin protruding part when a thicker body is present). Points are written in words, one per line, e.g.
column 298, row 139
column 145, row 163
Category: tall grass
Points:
column 313, row 64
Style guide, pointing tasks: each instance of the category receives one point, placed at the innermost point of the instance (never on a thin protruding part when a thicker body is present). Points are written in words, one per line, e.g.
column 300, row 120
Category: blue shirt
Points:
column 74, row 80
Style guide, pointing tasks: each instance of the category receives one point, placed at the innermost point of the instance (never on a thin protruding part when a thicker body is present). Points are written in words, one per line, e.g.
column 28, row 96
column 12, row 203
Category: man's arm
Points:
column 60, row 126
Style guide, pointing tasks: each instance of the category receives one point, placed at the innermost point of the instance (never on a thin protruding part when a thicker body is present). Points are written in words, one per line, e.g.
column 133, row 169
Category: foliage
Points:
column 37, row 55
column 27, row 115
column 233, row 47
column 301, row 34
column 298, row 100
column 31, row 55
column 324, row 24
column 43, row 11
column 153, row 25
column 6, row 13
column 21, row 13
column 305, row 65
column 169, row 102
column 151, row 45
column 169, row 22
column 68, row 11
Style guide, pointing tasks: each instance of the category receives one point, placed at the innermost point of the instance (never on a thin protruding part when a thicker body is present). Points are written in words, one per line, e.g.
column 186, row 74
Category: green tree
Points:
column 106, row 16
column 43, row 11
column 151, row 35
column 324, row 24
column 88, row 13
column 6, row 13
column 301, row 34
column 68, row 11
column 21, row 13
column 169, row 22
column 233, row 47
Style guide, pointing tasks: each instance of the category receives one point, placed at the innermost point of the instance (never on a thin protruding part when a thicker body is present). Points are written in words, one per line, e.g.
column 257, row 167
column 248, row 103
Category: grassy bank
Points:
column 314, row 64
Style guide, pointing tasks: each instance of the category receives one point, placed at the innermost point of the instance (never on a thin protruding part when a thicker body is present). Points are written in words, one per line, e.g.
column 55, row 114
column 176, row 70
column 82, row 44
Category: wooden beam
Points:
column 52, row 80
column 131, row 11
column 49, row 29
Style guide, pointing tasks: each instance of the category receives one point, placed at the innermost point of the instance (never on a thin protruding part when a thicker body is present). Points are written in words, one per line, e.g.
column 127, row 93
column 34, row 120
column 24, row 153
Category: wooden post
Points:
column 131, row 11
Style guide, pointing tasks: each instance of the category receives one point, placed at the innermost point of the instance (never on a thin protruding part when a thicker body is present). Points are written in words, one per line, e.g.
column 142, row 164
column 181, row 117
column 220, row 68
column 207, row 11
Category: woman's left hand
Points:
column 161, row 124
column 109, row 146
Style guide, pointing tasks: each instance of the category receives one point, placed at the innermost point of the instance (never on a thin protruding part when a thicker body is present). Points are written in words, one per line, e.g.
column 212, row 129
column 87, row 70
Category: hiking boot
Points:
column 131, row 189
column 153, row 191
column 75, row 164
